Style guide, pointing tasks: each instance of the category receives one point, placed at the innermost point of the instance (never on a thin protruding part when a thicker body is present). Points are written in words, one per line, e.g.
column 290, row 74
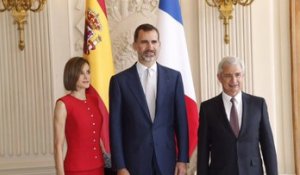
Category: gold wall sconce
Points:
column 19, row 9
column 225, row 8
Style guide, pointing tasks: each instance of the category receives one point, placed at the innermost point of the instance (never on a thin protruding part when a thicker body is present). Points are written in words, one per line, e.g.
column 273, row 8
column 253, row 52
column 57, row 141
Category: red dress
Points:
column 82, row 131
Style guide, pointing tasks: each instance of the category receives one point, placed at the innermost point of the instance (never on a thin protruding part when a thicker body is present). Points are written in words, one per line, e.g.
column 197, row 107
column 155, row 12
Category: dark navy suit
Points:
column 135, row 140
column 221, row 153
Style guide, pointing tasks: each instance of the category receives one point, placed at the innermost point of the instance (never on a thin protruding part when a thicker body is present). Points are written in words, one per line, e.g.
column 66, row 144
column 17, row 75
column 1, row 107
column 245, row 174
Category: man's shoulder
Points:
column 125, row 72
column 251, row 97
column 211, row 105
column 167, row 69
column 212, row 100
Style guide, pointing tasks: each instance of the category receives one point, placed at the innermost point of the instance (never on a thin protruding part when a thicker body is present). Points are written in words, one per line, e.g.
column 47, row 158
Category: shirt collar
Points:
column 238, row 97
column 141, row 68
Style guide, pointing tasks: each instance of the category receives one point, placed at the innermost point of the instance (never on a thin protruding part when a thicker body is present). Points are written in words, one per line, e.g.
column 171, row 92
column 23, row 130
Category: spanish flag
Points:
column 97, row 50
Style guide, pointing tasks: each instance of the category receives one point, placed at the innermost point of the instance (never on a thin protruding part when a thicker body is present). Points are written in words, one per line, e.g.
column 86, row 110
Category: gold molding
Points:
column 19, row 10
column 295, row 52
column 20, row 18
column 225, row 8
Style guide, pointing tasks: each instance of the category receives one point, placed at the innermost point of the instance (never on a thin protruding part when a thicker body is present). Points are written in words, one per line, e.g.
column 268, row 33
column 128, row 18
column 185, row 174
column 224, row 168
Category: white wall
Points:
column 272, row 78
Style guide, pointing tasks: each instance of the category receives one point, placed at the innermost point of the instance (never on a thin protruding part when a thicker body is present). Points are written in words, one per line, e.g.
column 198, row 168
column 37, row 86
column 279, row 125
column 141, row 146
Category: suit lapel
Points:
column 224, row 118
column 162, row 81
column 222, row 113
column 244, row 113
column 136, row 88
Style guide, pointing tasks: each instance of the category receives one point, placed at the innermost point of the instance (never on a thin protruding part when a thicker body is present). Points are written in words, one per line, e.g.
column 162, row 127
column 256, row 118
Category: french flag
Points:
column 174, row 54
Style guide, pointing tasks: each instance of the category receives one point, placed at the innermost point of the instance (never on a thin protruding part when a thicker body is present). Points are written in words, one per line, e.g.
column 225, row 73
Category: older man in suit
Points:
column 147, row 114
column 234, row 129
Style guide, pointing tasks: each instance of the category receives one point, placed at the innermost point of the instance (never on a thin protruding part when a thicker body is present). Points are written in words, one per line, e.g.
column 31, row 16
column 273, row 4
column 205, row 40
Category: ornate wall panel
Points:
column 26, row 96
column 123, row 16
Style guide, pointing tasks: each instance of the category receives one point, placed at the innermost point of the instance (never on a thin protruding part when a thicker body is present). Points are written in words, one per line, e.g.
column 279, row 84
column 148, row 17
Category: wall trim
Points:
column 295, row 40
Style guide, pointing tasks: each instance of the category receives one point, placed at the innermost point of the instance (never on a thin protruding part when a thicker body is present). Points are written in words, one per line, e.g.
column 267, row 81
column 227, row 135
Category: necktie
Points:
column 234, row 122
column 149, row 88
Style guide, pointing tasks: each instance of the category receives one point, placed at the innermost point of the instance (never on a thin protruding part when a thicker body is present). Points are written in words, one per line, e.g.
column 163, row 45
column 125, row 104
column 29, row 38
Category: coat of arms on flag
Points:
column 92, row 25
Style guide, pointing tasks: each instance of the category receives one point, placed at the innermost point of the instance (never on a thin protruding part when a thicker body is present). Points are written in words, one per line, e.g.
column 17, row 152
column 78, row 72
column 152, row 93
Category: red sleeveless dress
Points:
column 82, row 131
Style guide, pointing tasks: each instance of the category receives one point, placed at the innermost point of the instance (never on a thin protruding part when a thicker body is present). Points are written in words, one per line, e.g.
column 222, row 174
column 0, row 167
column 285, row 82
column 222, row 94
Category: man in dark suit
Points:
column 235, row 129
column 147, row 114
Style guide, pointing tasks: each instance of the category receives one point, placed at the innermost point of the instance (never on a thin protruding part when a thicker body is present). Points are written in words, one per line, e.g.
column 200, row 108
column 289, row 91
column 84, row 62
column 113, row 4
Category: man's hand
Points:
column 181, row 168
column 123, row 171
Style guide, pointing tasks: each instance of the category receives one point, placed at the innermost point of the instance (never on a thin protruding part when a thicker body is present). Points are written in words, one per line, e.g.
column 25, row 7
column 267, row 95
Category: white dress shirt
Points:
column 238, row 104
column 152, row 83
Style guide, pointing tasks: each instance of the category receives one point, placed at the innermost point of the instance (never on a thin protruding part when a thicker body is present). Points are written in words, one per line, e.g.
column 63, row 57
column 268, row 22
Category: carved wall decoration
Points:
column 119, row 10
column 123, row 17
column 77, row 30
column 123, row 53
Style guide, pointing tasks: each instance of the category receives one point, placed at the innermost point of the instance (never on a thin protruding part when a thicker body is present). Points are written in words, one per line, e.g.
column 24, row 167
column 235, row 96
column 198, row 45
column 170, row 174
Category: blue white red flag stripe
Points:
column 174, row 54
column 173, row 9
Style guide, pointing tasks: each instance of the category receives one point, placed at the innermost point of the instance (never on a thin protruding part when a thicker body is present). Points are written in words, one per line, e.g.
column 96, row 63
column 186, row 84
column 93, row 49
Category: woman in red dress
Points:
column 77, row 120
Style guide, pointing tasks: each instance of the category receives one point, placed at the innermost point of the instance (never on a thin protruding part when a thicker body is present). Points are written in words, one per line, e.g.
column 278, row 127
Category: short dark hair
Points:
column 72, row 71
column 146, row 28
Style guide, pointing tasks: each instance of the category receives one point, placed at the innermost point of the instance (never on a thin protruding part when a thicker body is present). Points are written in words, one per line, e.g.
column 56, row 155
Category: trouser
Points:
column 155, row 166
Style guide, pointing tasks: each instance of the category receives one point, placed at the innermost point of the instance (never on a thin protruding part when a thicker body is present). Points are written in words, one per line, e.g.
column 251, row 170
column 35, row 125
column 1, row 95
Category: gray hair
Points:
column 231, row 60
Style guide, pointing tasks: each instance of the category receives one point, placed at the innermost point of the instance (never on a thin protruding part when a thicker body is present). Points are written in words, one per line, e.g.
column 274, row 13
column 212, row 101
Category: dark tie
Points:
column 234, row 122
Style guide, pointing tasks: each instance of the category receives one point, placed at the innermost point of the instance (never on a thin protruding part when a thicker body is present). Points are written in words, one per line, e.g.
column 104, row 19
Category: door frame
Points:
column 295, row 71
